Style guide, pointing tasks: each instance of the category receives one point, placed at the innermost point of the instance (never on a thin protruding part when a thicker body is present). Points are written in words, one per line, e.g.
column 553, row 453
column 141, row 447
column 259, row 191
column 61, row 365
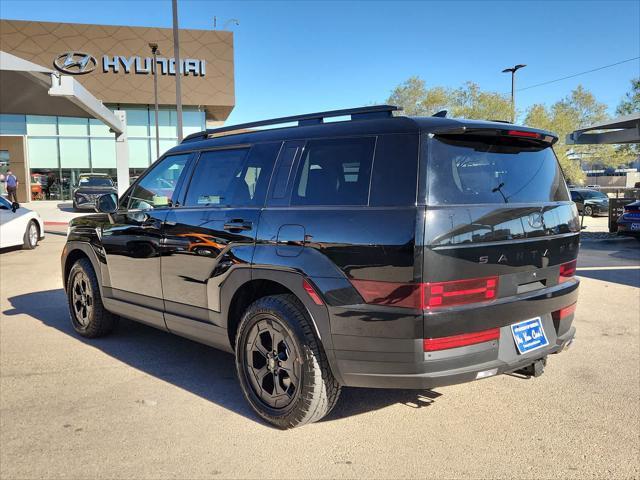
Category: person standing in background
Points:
column 12, row 186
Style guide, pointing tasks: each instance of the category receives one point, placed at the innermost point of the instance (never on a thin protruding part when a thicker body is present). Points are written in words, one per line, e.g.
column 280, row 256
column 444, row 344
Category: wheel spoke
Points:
column 270, row 363
column 290, row 367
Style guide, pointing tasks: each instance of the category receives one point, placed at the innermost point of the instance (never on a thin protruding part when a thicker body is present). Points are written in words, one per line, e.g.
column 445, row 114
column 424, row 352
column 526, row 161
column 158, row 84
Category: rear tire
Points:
column 31, row 236
column 88, row 315
column 282, row 368
column 588, row 211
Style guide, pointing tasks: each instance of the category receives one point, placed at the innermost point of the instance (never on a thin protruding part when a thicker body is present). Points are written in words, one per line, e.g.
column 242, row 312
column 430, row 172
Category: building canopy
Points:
column 30, row 89
column 625, row 129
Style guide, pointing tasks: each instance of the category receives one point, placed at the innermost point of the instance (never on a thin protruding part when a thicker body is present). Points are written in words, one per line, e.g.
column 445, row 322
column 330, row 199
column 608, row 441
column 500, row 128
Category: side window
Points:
column 334, row 172
column 575, row 196
column 157, row 187
column 237, row 177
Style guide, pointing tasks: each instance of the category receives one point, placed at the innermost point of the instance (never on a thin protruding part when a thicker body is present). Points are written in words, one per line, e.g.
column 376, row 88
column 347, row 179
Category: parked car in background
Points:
column 91, row 186
column 629, row 221
column 19, row 226
column 383, row 251
column 594, row 187
column 591, row 202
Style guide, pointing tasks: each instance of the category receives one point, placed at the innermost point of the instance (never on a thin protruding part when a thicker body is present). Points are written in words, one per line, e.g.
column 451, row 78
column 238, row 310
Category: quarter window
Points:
column 156, row 189
column 334, row 172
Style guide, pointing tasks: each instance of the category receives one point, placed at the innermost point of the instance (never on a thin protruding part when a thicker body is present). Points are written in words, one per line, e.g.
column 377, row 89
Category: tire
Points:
column 31, row 236
column 294, row 387
column 588, row 211
column 88, row 315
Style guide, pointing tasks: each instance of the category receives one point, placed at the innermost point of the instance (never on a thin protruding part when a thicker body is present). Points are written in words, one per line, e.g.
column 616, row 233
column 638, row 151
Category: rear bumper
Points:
column 447, row 370
column 388, row 362
column 624, row 228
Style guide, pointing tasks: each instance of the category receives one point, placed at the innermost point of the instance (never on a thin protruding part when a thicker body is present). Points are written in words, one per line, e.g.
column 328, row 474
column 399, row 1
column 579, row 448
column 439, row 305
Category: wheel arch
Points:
column 73, row 252
column 261, row 282
column 265, row 282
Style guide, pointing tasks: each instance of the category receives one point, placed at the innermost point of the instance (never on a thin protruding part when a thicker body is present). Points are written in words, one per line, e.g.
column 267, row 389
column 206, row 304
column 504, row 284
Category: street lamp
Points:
column 176, row 54
column 155, row 52
column 513, row 71
column 235, row 21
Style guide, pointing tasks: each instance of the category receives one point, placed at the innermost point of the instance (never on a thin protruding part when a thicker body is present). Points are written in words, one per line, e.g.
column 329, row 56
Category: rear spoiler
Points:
column 521, row 133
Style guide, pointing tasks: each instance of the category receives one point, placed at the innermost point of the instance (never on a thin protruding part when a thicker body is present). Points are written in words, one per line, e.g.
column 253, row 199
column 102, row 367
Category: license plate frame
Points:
column 529, row 335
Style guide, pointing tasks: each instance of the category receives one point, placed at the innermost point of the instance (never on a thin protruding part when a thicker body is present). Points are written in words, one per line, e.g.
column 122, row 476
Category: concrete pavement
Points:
column 142, row 403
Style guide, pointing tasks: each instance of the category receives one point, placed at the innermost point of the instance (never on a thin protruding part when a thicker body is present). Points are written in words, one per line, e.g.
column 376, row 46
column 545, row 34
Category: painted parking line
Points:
column 622, row 267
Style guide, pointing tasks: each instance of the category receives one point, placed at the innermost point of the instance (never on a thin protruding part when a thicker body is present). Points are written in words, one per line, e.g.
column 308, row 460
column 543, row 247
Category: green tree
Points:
column 416, row 100
column 630, row 103
column 578, row 110
column 467, row 101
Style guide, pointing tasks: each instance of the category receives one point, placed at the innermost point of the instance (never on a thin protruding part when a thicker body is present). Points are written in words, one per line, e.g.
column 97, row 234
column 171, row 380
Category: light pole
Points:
column 513, row 71
column 235, row 21
column 178, row 65
column 155, row 51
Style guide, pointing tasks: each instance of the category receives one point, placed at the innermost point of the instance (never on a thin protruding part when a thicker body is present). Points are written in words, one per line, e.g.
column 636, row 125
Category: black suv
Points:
column 380, row 251
column 90, row 187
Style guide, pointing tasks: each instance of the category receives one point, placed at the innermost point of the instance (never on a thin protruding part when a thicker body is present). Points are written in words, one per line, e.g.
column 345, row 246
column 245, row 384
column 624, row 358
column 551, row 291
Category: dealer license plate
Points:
column 529, row 335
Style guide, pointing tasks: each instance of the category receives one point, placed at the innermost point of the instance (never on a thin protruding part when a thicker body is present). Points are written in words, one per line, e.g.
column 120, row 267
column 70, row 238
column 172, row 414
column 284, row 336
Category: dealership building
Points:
column 115, row 65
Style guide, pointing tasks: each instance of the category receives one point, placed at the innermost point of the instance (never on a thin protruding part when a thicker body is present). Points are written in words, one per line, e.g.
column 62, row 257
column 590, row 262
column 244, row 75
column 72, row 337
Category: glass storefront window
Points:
column 41, row 125
column 43, row 152
column 138, row 153
column 73, row 127
column 98, row 129
column 74, row 152
column 137, row 122
column 70, row 146
column 103, row 153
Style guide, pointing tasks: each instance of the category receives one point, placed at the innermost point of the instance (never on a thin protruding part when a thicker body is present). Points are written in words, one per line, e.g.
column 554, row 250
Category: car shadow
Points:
column 197, row 368
column 622, row 276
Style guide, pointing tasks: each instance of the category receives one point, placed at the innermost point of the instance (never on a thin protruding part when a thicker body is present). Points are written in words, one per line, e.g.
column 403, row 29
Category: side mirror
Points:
column 15, row 206
column 107, row 203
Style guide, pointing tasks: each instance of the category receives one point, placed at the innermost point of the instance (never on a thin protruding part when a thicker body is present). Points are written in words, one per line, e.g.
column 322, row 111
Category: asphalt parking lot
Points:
column 144, row 404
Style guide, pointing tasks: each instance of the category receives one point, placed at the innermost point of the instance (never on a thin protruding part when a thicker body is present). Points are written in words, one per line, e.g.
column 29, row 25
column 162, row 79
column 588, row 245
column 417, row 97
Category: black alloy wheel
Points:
column 282, row 367
column 273, row 363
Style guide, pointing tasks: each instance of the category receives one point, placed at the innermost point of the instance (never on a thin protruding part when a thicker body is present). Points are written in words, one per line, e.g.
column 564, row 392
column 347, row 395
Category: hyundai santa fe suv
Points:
column 381, row 251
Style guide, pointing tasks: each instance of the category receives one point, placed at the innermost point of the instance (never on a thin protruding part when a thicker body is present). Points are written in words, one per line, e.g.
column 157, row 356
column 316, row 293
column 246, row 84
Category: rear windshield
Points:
column 95, row 182
column 467, row 169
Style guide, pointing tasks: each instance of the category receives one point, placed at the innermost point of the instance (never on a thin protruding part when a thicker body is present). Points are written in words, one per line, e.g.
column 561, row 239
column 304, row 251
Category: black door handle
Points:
column 238, row 225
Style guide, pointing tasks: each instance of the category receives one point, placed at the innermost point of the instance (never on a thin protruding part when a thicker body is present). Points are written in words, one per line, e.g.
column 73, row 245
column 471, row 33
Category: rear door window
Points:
column 468, row 169
column 232, row 177
column 334, row 172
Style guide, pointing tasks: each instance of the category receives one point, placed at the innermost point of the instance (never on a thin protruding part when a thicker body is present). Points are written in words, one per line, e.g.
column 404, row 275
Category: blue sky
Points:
column 302, row 56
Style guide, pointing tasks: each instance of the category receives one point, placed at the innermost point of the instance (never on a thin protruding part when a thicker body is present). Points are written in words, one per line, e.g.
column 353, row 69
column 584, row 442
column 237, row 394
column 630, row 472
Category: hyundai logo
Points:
column 536, row 220
column 75, row 63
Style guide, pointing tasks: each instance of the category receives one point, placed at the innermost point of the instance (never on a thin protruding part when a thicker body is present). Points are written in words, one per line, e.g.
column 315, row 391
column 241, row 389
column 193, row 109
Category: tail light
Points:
column 567, row 271
column 427, row 295
column 522, row 133
column 459, row 292
column 564, row 312
column 443, row 343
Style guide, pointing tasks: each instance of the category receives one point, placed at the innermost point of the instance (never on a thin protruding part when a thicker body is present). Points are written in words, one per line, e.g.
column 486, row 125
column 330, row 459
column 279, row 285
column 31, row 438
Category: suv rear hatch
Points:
column 501, row 234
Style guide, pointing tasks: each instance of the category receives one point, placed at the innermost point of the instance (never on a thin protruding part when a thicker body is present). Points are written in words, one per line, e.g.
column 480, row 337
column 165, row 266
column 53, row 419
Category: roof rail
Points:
column 360, row 113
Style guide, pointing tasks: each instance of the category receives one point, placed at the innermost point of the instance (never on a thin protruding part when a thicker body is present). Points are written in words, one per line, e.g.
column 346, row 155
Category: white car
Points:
column 19, row 226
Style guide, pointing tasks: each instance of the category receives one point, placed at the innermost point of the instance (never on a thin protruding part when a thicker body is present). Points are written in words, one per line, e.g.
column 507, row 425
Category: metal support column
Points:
column 122, row 154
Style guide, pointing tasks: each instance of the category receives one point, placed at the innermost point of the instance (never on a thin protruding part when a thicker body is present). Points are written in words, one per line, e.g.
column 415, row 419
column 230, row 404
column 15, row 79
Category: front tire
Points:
column 588, row 211
column 282, row 368
column 88, row 315
column 31, row 236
